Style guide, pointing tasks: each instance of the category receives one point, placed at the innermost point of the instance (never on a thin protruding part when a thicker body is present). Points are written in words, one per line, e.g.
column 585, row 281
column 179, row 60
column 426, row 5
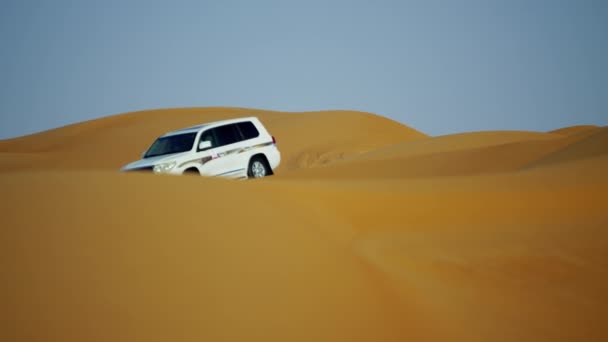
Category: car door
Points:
column 225, row 157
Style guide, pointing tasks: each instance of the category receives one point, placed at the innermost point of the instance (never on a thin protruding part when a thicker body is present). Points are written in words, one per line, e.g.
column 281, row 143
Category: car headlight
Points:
column 164, row 167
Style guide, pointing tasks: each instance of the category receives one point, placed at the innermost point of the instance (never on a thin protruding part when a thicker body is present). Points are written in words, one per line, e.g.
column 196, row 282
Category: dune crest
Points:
column 574, row 129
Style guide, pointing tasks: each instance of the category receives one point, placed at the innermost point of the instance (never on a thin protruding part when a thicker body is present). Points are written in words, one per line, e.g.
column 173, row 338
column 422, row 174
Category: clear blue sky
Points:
column 439, row 66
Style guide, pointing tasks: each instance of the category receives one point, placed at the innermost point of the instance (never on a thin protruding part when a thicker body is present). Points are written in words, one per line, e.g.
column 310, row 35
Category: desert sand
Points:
column 369, row 231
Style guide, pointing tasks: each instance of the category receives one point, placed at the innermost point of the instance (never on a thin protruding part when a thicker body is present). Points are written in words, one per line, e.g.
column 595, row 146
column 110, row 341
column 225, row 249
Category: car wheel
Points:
column 191, row 172
column 257, row 168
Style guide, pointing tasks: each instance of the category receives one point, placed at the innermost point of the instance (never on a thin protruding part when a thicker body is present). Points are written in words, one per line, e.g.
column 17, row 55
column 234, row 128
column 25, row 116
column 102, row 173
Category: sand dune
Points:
column 453, row 143
column 369, row 231
column 459, row 155
column 585, row 146
column 575, row 129
column 305, row 138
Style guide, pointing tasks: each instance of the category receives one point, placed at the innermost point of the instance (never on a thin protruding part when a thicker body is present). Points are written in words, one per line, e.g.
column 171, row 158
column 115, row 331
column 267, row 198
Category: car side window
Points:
column 209, row 135
column 248, row 130
column 227, row 135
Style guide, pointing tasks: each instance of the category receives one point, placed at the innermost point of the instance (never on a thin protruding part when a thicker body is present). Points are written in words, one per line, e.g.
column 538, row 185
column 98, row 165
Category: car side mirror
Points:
column 204, row 144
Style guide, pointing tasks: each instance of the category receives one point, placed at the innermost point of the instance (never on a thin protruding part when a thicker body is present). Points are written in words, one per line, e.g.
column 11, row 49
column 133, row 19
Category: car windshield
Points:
column 171, row 144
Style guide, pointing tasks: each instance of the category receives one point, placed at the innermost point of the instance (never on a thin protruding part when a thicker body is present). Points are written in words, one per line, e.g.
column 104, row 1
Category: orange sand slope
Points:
column 369, row 231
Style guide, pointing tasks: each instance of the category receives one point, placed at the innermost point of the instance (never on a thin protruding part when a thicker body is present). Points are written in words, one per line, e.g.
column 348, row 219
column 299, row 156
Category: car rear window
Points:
column 248, row 130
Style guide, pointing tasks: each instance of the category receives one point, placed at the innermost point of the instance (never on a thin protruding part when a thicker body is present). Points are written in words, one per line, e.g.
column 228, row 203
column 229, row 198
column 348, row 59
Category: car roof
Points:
column 198, row 128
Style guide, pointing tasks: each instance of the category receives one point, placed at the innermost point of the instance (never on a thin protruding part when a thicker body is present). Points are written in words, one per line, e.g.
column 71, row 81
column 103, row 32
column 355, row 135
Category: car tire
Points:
column 258, row 168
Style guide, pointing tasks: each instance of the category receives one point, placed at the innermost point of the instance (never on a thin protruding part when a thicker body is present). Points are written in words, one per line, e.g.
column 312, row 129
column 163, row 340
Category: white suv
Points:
column 237, row 148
